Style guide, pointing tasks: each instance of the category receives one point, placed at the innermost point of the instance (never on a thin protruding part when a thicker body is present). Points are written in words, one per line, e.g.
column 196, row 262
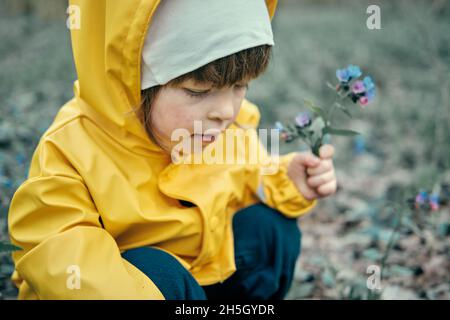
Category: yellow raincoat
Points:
column 97, row 185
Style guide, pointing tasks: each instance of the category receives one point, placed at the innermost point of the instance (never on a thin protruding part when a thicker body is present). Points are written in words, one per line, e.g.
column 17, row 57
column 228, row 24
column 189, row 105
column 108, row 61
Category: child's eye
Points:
column 196, row 94
column 199, row 94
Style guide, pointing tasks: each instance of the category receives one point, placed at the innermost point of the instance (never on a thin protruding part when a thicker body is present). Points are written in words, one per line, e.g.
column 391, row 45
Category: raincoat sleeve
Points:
column 268, row 180
column 66, row 252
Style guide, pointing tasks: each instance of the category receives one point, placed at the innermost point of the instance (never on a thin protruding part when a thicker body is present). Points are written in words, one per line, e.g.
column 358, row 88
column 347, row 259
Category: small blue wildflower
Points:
column 434, row 202
column 368, row 83
column 370, row 94
column 354, row 71
column 359, row 144
column 279, row 126
column 343, row 75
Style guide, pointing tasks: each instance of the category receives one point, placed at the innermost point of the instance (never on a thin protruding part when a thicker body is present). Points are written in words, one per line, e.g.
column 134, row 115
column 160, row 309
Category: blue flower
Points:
column 434, row 202
column 359, row 144
column 368, row 83
column 279, row 126
column 354, row 71
column 370, row 94
column 343, row 75
column 349, row 73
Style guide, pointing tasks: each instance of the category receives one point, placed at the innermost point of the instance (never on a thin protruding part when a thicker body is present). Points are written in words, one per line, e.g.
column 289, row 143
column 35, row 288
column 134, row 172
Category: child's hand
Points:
column 314, row 177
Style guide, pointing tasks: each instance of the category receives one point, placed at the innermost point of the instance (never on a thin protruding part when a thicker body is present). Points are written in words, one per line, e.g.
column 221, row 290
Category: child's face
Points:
column 178, row 107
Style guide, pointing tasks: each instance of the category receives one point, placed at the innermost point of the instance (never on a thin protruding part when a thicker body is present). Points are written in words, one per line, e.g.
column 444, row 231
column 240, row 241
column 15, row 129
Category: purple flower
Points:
column 364, row 90
column 421, row 199
column 358, row 87
column 354, row 71
column 302, row 120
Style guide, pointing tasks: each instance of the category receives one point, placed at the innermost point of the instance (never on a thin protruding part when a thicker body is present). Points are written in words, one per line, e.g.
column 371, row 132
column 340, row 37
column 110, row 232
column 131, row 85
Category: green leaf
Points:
column 318, row 110
column 8, row 247
column 317, row 127
column 339, row 132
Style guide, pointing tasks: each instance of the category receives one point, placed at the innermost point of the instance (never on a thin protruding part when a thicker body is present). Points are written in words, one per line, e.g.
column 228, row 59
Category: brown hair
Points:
column 247, row 64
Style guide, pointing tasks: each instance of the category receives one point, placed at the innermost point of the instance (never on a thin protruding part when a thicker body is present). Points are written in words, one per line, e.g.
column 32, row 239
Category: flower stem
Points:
column 389, row 247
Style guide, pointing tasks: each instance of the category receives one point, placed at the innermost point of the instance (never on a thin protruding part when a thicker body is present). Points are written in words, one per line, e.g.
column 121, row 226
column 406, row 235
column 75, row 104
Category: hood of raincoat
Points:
column 107, row 50
column 98, row 186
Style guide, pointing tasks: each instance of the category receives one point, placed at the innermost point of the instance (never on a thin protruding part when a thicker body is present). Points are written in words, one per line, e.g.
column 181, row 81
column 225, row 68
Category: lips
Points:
column 207, row 138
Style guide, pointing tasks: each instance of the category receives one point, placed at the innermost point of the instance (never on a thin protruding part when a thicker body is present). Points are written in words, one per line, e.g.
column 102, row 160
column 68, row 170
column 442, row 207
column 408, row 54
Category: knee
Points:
column 288, row 236
column 274, row 223
column 171, row 278
column 270, row 229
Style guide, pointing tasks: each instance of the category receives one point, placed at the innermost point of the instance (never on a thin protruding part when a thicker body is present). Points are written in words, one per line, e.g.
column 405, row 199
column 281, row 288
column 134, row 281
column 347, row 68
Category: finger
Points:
column 327, row 189
column 306, row 159
column 326, row 151
column 316, row 181
column 309, row 193
column 324, row 166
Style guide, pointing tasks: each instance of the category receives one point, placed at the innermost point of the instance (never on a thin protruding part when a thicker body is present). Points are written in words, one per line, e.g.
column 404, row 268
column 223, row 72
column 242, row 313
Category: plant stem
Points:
column 339, row 97
column 330, row 112
column 389, row 248
column 391, row 242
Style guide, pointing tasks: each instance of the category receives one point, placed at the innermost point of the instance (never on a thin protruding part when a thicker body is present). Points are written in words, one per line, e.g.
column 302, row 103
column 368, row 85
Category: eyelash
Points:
column 202, row 94
column 196, row 94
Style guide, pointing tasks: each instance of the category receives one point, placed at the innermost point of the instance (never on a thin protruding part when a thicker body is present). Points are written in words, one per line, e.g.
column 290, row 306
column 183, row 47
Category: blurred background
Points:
column 380, row 215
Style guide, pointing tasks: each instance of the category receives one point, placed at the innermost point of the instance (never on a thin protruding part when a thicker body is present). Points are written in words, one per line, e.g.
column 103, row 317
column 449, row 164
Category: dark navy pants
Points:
column 267, row 245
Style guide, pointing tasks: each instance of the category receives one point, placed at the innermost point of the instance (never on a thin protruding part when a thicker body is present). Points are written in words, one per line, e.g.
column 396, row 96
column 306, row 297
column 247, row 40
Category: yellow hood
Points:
column 107, row 52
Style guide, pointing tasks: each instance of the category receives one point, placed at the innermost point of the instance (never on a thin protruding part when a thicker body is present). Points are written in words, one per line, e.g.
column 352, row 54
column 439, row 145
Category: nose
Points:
column 222, row 109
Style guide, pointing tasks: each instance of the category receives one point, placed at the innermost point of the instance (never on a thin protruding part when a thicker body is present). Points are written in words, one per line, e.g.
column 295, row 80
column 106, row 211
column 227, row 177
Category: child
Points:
column 107, row 214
